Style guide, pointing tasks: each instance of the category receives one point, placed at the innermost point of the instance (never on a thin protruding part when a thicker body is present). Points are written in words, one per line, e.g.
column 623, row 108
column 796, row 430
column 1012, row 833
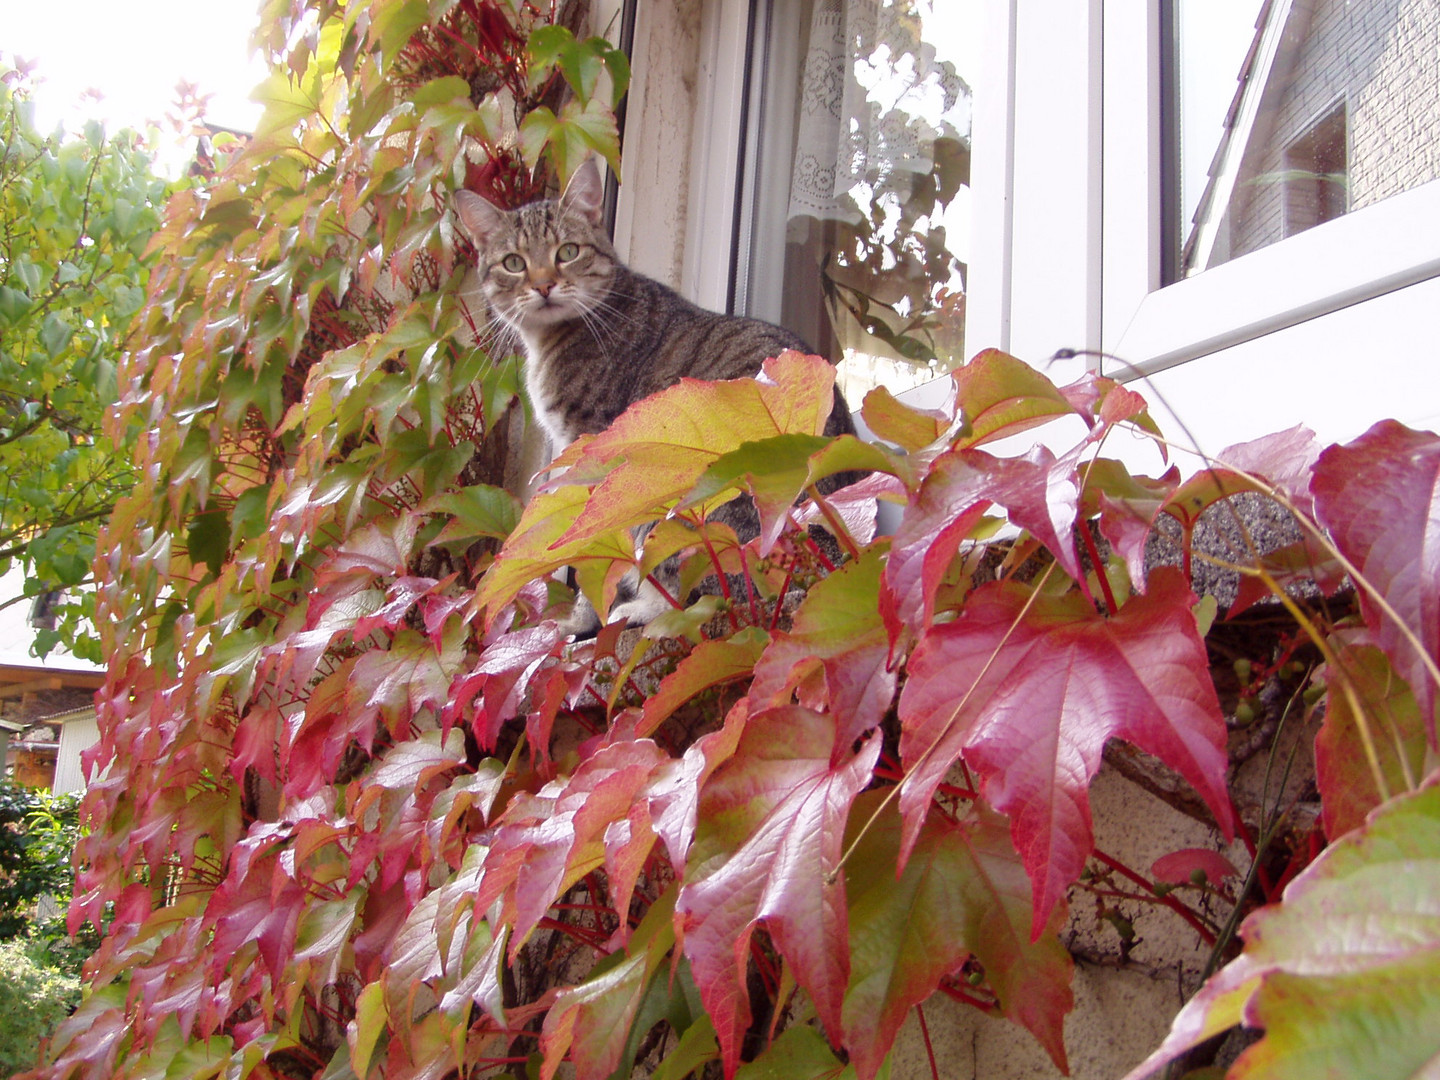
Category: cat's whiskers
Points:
column 593, row 311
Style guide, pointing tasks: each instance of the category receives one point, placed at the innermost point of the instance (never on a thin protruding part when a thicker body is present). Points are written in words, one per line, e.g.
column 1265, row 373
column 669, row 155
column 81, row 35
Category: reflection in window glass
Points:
column 1294, row 112
column 857, row 227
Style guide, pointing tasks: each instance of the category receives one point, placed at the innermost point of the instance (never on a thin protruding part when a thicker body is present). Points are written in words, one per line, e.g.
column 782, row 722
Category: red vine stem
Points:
column 1169, row 901
column 724, row 583
column 784, row 589
column 952, row 991
column 1104, row 578
column 749, row 586
column 925, row 1034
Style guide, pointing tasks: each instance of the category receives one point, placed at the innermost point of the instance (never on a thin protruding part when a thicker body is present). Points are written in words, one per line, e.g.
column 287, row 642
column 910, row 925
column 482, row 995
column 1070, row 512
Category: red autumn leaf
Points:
column 1281, row 461
column 837, row 629
column 1299, row 565
column 1029, row 697
column 543, row 843
column 1177, row 867
column 380, row 549
column 1128, row 506
column 1038, row 490
column 1379, row 497
column 509, row 661
column 403, row 594
column 962, row 892
column 767, row 847
column 412, row 764
column 398, row 682
column 856, row 505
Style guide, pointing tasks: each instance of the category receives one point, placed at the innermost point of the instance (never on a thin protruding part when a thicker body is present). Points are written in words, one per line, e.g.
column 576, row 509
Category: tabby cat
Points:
column 597, row 337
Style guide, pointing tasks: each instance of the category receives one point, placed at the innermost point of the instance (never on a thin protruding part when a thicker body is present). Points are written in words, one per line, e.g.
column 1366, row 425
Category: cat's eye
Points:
column 566, row 252
column 514, row 263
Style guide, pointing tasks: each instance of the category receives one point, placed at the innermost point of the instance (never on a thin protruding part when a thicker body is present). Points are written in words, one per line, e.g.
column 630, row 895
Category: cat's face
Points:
column 546, row 263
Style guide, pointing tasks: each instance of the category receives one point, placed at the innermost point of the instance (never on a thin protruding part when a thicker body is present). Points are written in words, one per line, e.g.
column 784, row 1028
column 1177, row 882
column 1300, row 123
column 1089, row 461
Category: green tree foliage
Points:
column 38, row 833
column 360, row 810
column 34, row 998
column 76, row 216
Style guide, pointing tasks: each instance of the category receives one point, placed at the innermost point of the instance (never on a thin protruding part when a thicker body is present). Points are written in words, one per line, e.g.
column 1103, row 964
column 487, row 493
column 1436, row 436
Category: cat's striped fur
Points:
column 598, row 337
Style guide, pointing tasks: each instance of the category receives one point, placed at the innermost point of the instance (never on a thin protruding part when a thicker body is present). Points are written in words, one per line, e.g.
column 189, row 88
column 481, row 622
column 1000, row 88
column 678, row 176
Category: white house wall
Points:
column 76, row 736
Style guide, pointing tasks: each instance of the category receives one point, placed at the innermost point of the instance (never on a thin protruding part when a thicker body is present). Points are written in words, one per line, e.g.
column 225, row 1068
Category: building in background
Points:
column 47, row 707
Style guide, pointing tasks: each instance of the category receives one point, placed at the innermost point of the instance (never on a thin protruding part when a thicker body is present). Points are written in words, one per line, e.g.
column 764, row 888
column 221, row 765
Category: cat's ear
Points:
column 478, row 217
column 585, row 193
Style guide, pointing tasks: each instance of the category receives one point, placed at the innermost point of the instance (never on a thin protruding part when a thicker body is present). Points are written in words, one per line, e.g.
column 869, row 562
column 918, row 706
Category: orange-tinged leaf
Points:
column 709, row 664
column 1342, row 768
column 1002, row 396
column 667, row 441
column 908, row 428
column 536, row 547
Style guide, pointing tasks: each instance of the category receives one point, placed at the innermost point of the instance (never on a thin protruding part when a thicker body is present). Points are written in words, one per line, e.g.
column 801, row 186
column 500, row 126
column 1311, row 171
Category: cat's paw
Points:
column 647, row 604
column 582, row 622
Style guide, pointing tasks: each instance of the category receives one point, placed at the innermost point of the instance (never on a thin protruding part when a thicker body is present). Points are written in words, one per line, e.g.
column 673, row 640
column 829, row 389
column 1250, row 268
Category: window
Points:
column 1276, row 98
column 855, row 207
column 1270, row 202
column 1316, row 174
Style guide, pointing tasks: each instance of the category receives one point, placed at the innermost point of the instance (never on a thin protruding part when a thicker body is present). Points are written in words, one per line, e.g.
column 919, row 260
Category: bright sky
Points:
column 1214, row 37
column 134, row 52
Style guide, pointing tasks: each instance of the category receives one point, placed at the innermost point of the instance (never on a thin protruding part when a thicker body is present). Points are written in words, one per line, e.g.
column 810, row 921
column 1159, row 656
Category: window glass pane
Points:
column 857, row 215
column 1293, row 112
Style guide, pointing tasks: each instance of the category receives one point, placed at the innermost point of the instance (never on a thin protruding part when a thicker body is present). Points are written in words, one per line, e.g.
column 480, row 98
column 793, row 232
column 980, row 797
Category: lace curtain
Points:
column 865, row 63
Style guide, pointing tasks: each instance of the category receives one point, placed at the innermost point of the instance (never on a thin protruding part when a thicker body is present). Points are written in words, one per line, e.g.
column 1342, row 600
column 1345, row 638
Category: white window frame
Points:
column 1359, row 256
column 1066, row 238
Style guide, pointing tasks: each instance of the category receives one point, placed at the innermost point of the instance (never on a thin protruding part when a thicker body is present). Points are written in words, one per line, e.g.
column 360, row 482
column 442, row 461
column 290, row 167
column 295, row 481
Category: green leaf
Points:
column 475, row 511
column 1344, row 974
column 775, row 470
column 208, row 540
column 697, row 1045
column 962, row 891
column 800, row 1053
column 55, row 335
column 367, row 1029
column 14, row 305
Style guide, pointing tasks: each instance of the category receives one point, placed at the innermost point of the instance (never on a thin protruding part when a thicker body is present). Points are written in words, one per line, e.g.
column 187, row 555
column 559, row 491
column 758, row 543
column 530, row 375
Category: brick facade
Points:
column 1380, row 61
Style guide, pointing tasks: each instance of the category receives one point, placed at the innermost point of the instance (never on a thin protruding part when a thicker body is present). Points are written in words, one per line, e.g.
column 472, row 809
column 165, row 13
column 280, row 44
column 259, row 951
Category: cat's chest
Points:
column 543, row 385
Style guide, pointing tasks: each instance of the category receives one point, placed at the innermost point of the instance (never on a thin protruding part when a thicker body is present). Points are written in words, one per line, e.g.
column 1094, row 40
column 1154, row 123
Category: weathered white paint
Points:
column 77, row 734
